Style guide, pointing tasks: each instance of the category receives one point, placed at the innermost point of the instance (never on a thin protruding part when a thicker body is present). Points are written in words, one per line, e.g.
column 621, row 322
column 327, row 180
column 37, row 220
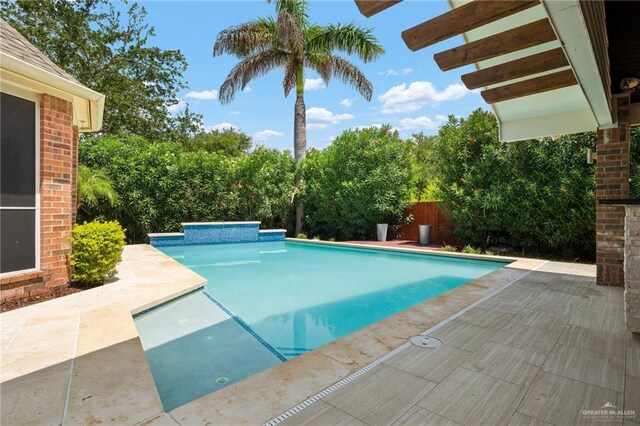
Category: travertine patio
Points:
column 542, row 344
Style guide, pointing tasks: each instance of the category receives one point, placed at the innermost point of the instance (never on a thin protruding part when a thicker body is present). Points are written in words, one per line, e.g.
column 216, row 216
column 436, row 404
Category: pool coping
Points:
column 104, row 325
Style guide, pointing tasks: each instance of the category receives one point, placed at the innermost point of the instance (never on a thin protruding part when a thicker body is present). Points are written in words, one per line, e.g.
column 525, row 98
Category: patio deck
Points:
column 545, row 347
column 539, row 352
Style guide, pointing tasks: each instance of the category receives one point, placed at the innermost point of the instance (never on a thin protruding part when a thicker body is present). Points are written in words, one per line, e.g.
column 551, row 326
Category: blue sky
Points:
column 410, row 92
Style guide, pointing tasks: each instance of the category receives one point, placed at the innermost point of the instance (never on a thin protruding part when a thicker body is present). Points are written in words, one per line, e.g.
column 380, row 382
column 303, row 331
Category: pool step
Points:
column 217, row 233
column 292, row 352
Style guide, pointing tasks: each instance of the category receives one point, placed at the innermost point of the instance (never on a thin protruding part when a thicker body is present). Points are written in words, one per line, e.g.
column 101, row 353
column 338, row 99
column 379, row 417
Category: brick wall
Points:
column 58, row 165
column 612, row 182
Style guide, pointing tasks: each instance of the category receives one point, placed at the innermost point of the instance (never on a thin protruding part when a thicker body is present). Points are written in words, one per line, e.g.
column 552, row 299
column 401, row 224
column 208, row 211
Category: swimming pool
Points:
column 271, row 301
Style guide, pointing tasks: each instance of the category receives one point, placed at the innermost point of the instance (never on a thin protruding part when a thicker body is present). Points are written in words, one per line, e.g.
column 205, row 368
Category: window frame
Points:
column 35, row 98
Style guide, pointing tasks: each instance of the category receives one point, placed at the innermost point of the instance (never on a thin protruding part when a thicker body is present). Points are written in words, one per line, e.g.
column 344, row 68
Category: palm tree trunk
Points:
column 299, row 141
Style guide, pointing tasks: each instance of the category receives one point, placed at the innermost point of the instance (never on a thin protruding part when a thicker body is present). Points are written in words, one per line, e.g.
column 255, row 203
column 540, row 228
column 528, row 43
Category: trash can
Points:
column 425, row 233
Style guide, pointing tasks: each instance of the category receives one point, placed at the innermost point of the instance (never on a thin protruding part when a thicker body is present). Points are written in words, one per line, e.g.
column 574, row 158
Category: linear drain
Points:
column 425, row 341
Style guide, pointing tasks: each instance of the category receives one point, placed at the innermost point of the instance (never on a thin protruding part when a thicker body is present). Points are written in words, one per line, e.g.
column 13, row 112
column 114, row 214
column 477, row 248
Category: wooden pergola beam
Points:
column 529, row 65
column 370, row 7
column 542, row 84
column 532, row 34
column 462, row 19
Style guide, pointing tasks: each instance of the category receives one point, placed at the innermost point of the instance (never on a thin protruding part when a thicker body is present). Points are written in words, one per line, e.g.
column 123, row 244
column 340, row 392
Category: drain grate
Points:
column 222, row 380
column 425, row 342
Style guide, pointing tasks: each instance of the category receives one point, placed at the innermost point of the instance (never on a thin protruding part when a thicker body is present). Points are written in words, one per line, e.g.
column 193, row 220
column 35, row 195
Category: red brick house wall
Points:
column 612, row 182
column 58, row 167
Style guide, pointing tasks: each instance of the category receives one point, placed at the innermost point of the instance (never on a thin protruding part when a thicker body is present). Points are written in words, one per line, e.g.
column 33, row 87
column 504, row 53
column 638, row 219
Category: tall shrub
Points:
column 361, row 179
column 534, row 195
column 96, row 250
column 160, row 185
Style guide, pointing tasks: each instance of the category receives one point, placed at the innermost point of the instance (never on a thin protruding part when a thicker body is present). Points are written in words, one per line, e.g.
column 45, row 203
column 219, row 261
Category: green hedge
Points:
column 534, row 195
column 361, row 179
column 160, row 185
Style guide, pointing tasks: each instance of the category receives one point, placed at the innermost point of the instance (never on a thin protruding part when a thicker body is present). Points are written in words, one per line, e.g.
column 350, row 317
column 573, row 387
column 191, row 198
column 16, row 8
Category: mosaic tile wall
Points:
column 217, row 233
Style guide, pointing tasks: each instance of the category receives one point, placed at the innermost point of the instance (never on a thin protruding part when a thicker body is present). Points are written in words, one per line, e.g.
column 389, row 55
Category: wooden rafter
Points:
column 532, row 34
column 532, row 86
column 462, row 19
column 529, row 65
column 370, row 7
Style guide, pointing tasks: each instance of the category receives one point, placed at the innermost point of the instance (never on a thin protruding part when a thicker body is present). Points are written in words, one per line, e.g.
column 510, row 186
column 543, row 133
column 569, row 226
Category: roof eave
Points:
column 87, row 103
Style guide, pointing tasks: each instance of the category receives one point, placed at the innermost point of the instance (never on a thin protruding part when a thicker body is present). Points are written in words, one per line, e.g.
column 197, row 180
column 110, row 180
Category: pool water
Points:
column 268, row 302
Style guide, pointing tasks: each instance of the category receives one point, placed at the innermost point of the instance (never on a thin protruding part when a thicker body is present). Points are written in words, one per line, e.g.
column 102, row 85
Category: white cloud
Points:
column 396, row 72
column 247, row 89
column 422, row 123
column 313, row 84
column 176, row 108
column 403, row 98
column 205, row 95
column 266, row 134
column 220, row 126
column 347, row 102
column 319, row 118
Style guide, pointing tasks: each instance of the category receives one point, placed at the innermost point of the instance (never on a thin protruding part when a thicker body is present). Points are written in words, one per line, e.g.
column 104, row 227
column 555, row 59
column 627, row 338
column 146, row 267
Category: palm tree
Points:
column 93, row 186
column 292, row 43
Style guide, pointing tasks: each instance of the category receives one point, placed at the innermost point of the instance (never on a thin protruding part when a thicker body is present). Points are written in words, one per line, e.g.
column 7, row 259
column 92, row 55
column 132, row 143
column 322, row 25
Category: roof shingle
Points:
column 15, row 44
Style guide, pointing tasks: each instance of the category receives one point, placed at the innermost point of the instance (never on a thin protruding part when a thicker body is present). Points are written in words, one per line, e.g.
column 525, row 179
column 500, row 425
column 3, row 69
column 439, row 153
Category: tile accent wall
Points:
column 217, row 233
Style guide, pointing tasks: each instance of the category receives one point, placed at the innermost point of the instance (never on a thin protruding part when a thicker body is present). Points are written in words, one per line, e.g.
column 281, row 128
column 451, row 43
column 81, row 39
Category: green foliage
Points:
column 301, row 236
column 449, row 248
column 161, row 186
column 110, row 52
column 292, row 43
column 96, row 250
column 423, row 178
column 535, row 195
column 93, row 187
column 361, row 179
column 469, row 249
column 229, row 142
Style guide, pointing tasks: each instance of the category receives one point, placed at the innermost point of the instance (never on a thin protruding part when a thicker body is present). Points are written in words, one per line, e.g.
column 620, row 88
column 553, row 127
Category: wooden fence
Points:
column 426, row 214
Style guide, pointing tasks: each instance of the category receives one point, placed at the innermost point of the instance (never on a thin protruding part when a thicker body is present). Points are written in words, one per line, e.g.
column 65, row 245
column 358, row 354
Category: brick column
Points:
column 632, row 269
column 58, row 150
column 612, row 182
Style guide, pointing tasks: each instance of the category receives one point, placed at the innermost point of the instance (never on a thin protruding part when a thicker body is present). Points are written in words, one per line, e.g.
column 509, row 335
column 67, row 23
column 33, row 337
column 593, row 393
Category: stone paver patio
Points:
column 539, row 352
column 541, row 343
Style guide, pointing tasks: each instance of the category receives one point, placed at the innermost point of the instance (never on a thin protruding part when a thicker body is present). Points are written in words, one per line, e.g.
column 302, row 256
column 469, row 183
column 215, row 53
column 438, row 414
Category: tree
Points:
column 535, row 195
column 109, row 52
column 361, row 179
column 291, row 42
column 423, row 176
column 94, row 186
column 229, row 142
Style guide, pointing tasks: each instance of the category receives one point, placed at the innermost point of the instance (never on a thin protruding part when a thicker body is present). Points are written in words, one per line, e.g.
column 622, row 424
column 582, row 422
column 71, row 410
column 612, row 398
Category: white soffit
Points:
column 560, row 111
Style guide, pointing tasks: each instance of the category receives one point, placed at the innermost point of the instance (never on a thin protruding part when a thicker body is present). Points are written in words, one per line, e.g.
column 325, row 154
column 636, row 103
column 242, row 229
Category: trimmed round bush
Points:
column 96, row 250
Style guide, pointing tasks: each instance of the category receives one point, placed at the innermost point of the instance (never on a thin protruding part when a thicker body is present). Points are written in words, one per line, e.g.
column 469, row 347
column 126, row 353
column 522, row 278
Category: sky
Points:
column 410, row 92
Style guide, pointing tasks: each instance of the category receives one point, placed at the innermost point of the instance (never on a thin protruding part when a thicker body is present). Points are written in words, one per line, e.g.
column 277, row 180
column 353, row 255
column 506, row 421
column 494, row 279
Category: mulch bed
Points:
column 20, row 303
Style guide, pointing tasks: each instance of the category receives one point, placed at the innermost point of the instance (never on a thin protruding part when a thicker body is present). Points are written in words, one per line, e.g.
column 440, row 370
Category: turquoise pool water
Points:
column 288, row 298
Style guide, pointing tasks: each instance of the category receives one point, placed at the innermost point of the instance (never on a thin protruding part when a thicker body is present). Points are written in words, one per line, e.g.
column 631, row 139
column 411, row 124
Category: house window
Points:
column 18, row 184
